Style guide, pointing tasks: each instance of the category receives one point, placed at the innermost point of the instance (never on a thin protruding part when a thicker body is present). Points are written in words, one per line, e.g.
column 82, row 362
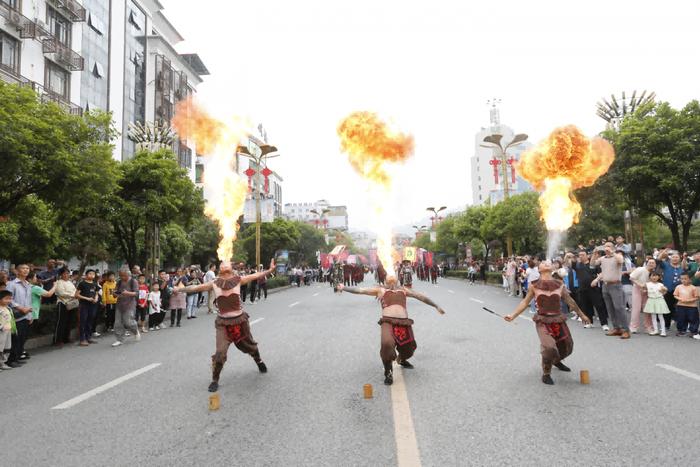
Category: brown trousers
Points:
column 234, row 331
column 555, row 343
column 391, row 343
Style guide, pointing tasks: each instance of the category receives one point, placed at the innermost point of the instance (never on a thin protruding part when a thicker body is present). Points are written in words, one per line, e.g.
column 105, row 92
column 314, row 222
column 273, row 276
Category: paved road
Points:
column 474, row 397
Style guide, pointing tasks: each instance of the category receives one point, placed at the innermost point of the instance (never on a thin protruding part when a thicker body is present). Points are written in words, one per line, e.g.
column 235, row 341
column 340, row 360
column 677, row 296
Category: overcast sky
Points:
column 301, row 66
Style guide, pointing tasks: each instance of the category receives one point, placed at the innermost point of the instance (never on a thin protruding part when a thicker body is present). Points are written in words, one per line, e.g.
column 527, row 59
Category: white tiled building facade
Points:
column 336, row 217
column 113, row 55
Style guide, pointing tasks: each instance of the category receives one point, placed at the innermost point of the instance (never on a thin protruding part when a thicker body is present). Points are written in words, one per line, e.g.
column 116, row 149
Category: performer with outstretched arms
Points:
column 231, row 324
column 555, row 338
column 397, row 331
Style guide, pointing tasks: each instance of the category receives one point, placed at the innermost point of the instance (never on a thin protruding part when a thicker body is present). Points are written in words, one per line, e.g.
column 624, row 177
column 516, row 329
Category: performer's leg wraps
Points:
column 389, row 346
column 554, row 349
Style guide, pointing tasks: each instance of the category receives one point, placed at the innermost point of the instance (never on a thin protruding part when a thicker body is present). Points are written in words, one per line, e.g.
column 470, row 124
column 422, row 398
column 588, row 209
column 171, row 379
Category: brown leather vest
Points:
column 393, row 297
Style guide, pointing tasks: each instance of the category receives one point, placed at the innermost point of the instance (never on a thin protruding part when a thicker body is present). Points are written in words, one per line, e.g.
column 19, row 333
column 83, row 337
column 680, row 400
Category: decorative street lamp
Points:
column 259, row 155
column 436, row 219
column 321, row 222
column 494, row 142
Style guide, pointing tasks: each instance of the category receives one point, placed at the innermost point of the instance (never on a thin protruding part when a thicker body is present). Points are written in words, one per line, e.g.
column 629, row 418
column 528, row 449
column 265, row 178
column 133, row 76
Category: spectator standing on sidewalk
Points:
column 47, row 278
column 109, row 301
column 613, row 296
column 22, row 306
column 192, row 298
column 6, row 329
column 142, row 304
column 126, row 292
column 178, row 299
column 511, row 268
column 87, row 295
column 670, row 262
column 686, row 307
column 66, row 304
column 262, row 284
column 639, row 278
column 38, row 293
column 209, row 277
column 165, row 292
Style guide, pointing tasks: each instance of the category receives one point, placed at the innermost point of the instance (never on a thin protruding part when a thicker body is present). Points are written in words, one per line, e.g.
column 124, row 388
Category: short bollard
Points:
column 214, row 401
column 585, row 377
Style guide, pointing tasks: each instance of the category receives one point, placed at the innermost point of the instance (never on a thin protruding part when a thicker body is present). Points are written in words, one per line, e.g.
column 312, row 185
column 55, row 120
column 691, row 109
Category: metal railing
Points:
column 73, row 10
column 62, row 54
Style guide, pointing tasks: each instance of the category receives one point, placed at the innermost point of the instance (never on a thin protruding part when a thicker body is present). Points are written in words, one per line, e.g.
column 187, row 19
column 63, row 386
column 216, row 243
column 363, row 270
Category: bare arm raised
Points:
column 371, row 291
column 253, row 277
column 425, row 299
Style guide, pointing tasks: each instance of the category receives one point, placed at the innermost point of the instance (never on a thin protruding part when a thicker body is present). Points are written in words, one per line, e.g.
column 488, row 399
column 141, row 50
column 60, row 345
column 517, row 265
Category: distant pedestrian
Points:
column 109, row 301
column 192, row 298
column 686, row 307
column 86, row 293
column 155, row 314
column 65, row 307
column 6, row 329
column 656, row 305
column 209, row 277
column 178, row 299
column 22, row 307
column 142, row 304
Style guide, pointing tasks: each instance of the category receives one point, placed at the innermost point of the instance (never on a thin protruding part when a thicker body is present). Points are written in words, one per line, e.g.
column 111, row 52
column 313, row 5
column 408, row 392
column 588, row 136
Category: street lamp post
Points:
column 494, row 142
column 257, row 154
column 435, row 219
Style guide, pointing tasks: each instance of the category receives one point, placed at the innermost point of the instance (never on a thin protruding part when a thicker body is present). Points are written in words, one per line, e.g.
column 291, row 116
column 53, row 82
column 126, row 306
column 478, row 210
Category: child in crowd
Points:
column 37, row 293
column 6, row 322
column 142, row 304
column 656, row 305
column 687, row 318
column 155, row 314
column 109, row 300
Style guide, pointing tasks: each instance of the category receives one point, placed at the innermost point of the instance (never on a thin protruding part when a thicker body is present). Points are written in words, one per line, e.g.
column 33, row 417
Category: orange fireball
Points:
column 563, row 162
column 369, row 143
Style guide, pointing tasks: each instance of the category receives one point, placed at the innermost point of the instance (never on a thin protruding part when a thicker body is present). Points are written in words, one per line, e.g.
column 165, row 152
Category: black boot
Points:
column 562, row 367
column 213, row 386
column 404, row 363
column 216, row 372
column 261, row 366
column 389, row 377
column 546, row 379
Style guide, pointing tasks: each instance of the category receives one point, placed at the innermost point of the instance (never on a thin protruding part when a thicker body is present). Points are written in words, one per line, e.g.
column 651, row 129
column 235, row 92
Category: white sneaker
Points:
column 587, row 326
column 606, row 328
column 117, row 344
column 663, row 334
column 145, row 331
column 151, row 329
column 137, row 336
column 654, row 333
column 127, row 333
column 696, row 336
column 96, row 334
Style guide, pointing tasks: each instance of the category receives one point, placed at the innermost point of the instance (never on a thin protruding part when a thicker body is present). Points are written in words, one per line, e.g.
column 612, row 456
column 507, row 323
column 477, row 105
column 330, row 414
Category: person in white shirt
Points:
column 155, row 314
column 639, row 278
column 209, row 277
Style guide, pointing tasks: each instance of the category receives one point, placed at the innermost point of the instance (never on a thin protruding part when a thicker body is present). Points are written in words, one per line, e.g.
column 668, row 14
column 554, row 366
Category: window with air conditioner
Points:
column 9, row 53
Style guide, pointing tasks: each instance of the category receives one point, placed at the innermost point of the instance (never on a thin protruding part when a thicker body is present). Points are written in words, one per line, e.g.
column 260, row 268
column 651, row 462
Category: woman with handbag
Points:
column 66, row 306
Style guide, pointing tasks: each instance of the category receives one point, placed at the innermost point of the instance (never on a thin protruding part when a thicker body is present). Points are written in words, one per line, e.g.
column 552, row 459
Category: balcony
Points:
column 71, row 9
column 27, row 28
column 10, row 76
column 62, row 55
column 46, row 95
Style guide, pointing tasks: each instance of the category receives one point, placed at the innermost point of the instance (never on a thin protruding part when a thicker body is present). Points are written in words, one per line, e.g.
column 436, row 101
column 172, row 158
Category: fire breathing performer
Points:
column 396, row 327
column 232, row 326
column 556, row 342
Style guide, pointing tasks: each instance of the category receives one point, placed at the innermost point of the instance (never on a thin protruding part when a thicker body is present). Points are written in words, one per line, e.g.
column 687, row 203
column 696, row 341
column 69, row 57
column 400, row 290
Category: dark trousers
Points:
column 671, row 303
column 244, row 292
column 18, row 340
column 253, row 291
column 262, row 288
column 109, row 316
column 175, row 313
column 61, row 333
column 588, row 299
column 88, row 311
column 687, row 319
column 155, row 319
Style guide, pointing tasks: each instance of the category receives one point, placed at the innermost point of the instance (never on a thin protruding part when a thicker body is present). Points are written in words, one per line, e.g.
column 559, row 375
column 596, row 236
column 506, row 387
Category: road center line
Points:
column 450, row 291
column 93, row 392
column 679, row 371
column 294, row 304
column 407, row 454
column 256, row 321
column 476, row 300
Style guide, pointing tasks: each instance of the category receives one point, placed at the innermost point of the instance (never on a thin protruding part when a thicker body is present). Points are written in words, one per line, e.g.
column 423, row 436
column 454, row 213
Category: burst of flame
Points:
column 563, row 162
column 227, row 191
column 371, row 146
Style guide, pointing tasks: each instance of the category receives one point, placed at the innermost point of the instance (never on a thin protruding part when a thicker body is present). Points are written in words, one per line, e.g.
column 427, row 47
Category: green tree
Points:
column 468, row 227
column 90, row 241
column 310, row 241
column 204, row 236
column 446, row 240
column 175, row 245
column 602, row 212
column 62, row 159
column 281, row 234
column 30, row 234
column 657, row 165
column 152, row 189
column 518, row 215
column 423, row 241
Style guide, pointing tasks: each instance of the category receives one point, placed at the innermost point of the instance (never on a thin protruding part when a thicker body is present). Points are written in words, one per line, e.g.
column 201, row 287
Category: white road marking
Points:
column 451, row 291
column 294, row 304
column 407, row 454
column 256, row 321
column 476, row 300
column 315, row 295
column 680, row 371
column 93, row 392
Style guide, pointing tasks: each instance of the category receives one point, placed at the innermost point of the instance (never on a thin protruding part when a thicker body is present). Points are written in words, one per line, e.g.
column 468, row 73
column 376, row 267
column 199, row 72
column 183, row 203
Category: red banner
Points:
column 325, row 261
column 429, row 259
